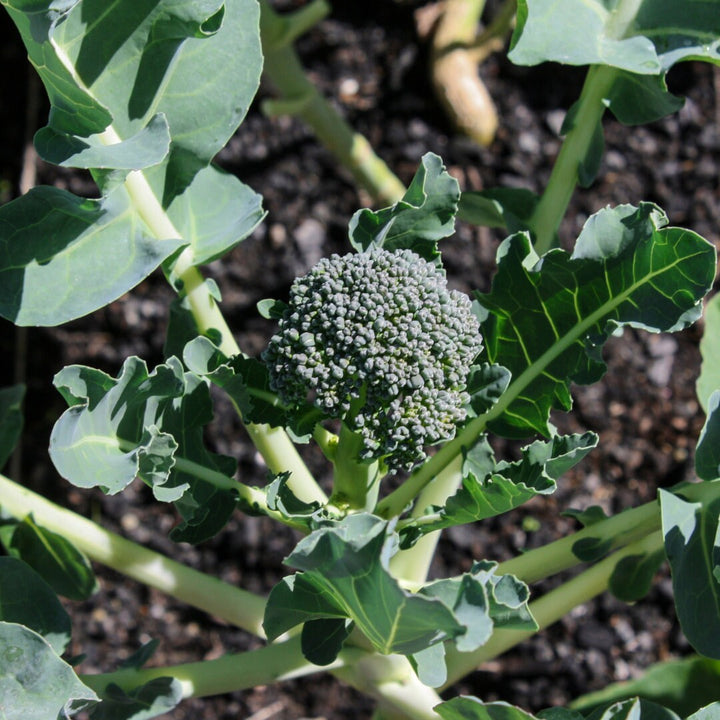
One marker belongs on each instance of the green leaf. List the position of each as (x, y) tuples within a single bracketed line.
[(711, 712), (146, 424), (247, 383), (707, 453), (636, 99), (156, 697), (157, 87), (498, 207), (692, 546), (632, 577), (322, 639), (589, 516), (662, 33), (546, 320), (34, 681), (682, 686), (26, 599), (11, 420), (345, 564), (425, 214), (54, 558), (62, 256), (490, 488), (485, 385), (148, 147), (471, 708), (709, 380)]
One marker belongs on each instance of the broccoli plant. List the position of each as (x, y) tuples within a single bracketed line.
[(400, 381)]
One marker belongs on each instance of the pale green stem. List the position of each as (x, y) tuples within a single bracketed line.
[(550, 608), (355, 483), (301, 98), (237, 671), (391, 680), (548, 214), (412, 565), (236, 606)]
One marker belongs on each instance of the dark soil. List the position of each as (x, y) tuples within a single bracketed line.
[(368, 60)]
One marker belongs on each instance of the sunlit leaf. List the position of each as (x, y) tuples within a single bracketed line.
[(425, 214), (34, 681)]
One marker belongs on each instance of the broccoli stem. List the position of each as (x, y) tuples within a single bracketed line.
[(355, 483)]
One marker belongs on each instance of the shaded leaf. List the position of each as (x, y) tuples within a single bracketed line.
[(498, 207), (54, 558), (707, 453), (682, 686), (425, 214), (322, 639), (709, 380), (485, 384), (34, 681), (692, 546), (547, 319), (26, 599), (156, 697), (11, 419), (632, 577)]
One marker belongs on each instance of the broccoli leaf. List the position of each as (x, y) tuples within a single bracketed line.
[(132, 101), (344, 576), (34, 681), (154, 698), (692, 545), (146, 424), (425, 215), (54, 557), (11, 419), (490, 488), (498, 207), (547, 319), (26, 599), (707, 453), (246, 382), (709, 380)]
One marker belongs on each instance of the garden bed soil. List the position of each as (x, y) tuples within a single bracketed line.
[(367, 59)]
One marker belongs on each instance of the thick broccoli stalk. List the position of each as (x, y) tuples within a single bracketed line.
[(377, 340)]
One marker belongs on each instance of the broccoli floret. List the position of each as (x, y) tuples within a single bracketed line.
[(377, 339)]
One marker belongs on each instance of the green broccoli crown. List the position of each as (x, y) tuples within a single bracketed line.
[(377, 339)]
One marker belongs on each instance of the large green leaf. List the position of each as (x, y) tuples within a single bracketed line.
[(682, 686), (26, 599), (471, 708), (11, 419), (35, 683), (547, 319), (425, 214), (709, 380), (146, 424), (62, 256), (692, 545), (344, 576), (586, 33), (154, 87), (57, 560), (707, 454), (490, 488)]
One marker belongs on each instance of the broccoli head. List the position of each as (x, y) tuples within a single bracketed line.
[(377, 340)]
